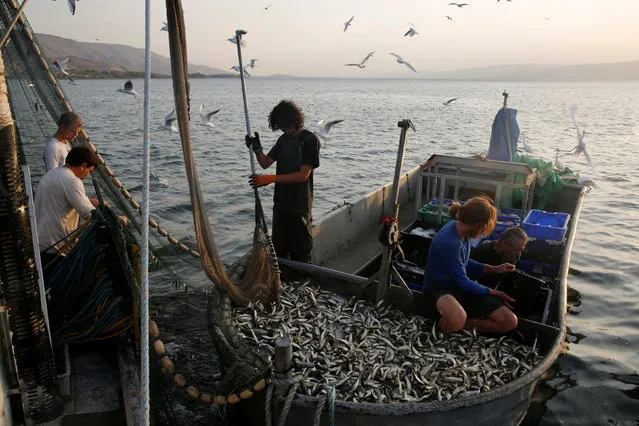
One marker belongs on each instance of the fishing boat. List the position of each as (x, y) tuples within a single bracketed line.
[(348, 259), (347, 251)]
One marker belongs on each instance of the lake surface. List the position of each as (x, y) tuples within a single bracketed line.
[(595, 381)]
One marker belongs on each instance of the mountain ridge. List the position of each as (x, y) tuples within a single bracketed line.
[(105, 58)]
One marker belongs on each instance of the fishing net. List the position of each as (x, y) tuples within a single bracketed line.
[(261, 279), (37, 100), (94, 290)]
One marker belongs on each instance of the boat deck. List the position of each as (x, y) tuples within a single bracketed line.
[(367, 245)]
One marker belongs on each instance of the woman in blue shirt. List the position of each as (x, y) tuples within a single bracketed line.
[(453, 298)]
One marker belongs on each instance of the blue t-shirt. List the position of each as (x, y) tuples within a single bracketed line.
[(449, 263)]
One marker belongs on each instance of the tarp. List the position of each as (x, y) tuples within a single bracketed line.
[(505, 134)]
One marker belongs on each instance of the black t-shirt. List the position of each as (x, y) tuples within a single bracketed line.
[(291, 153), (485, 253)]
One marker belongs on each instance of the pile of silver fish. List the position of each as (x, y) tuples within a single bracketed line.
[(375, 353)]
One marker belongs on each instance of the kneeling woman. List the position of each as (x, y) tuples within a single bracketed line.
[(456, 300)]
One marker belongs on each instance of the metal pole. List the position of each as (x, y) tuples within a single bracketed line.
[(385, 270), (146, 167), (5, 37), (238, 39)]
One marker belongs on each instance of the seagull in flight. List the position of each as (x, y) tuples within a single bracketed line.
[(363, 63), (165, 27), (237, 68), (266, 7), (458, 4), (206, 118), (252, 63), (128, 89), (527, 147), (411, 31), (61, 66), (72, 6), (558, 164), (449, 18), (168, 122), (157, 181), (401, 61), (449, 101), (324, 127), (348, 23), (581, 145), (233, 39)]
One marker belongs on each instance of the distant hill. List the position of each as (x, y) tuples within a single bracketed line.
[(99, 59), (531, 72)]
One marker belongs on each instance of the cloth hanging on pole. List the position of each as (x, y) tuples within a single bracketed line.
[(504, 135)]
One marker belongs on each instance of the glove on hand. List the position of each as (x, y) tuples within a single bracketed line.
[(261, 180), (253, 142)]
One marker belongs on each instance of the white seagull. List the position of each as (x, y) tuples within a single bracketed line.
[(168, 122), (348, 23), (72, 6), (411, 31), (449, 18), (558, 164), (458, 4), (401, 61), (252, 63), (157, 181), (324, 127), (237, 68), (206, 118), (581, 144), (362, 64), (233, 39), (165, 26), (61, 65), (128, 89), (527, 147)]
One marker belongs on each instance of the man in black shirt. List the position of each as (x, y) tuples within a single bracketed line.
[(297, 154), (507, 249)]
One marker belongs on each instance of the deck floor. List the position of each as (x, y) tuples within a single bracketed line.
[(367, 245)]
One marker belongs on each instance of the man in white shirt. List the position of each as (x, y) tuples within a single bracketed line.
[(55, 153), (61, 201)]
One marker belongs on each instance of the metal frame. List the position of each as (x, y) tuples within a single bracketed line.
[(436, 181)]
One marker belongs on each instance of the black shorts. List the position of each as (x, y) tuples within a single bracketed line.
[(475, 306)]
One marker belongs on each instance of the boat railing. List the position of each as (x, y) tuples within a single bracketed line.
[(441, 172)]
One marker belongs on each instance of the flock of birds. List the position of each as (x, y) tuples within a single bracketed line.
[(323, 127)]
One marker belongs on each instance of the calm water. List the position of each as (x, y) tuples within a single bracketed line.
[(596, 380)]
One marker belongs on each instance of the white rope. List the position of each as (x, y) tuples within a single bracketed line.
[(144, 296)]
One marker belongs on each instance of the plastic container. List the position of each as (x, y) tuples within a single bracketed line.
[(546, 225), (429, 218), (538, 268), (544, 251)]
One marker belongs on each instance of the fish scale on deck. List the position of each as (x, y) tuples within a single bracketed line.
[(378, 354)]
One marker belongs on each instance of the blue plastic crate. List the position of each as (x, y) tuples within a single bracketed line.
[(546, 225), (538, 268)]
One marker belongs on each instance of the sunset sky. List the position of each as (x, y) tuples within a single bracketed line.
[(306, 38)]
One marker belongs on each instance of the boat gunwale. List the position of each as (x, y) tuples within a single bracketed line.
[(534, 375)]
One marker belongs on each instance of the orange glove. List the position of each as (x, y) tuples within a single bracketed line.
[(261, 180)]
